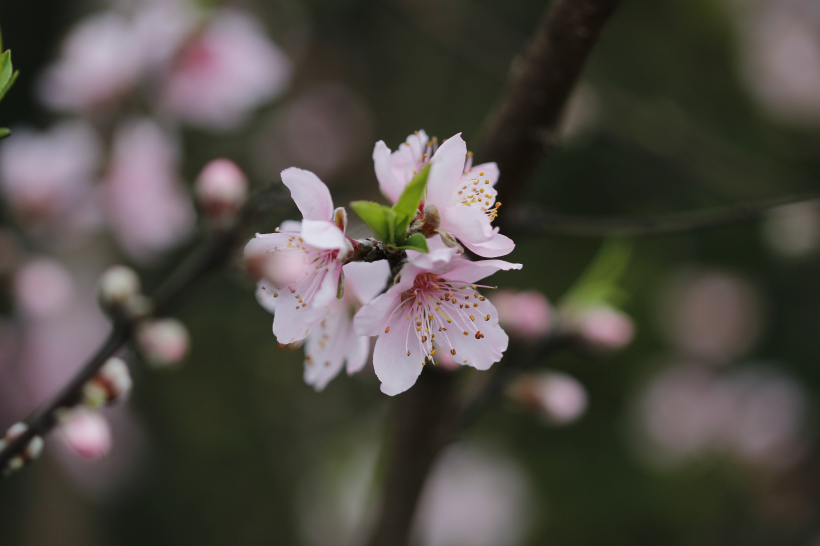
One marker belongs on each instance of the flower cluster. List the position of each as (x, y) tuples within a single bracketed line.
[(324, 287)]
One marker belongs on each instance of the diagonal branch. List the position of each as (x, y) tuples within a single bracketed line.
[(539, 86), (530, 221), (213, 256)]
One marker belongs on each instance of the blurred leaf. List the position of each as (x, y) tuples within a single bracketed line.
[(4, 133), (417, 241), (5, 68), (599, 283), (376, 218), (8, 85), (408, 204)]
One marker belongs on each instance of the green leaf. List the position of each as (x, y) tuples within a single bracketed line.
[(408, 204), (4, 133), (417, 241), (600, 283), (375, 216), (4, 90), (390, 218), (5, 68)]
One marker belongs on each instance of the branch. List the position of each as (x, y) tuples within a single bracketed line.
[(213, 256), (524, 128), (531, 221), (539, 86)]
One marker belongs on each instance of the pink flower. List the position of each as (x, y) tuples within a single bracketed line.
[(606, 328), (149, 210), (527, 315), (461, 199), (558, 397), (226, 71), (45, 175), (312, 253), (43, 288), (86, 433), (434, 295), (221, 188)]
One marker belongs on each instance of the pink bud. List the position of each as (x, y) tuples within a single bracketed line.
[(605, 328), (87, 433), (43, 288), (221, 188), (118, 286), (163, 342), (558, 397), (112, 383), (526, 315)]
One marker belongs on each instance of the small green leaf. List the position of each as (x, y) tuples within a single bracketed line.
[(408, 204), (4, 90), (5, 68), (375, 216), (417, 242), (4, 133), (390, 217)]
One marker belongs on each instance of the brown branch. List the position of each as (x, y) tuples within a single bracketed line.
[(524, 128), (539, 86), (531, 221), (213, 256)]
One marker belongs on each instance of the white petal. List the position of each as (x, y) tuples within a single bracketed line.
[(490, 171), (366, 280), (309, 193), (329, 287), (323, 234), (464, 270), (397, 370), (470, 225), (372, 318), (498, 245), (358, 349), (325, 348), (291, 324), (293, 226), (446, 169), (390, 186), (478, 353), (265, 295)]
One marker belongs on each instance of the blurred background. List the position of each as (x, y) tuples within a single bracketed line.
[(688, 417)]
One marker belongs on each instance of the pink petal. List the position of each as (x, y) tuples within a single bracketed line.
[(329, 287), (358, 349), (468, 272), (309, 193), (291, 324), (390, 186), (325, 348), (490, 171), (265, 295), (470, 225), (397, 370), (372, 318), (478, 353), (498, 245), (446, 168), (366, 280), (323, 234)]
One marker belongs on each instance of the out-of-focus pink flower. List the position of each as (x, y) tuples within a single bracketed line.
[(474, 497), (221, 188), (43, 288), (793, 230), (45, 175), (526, 315), (224, 72), (755, 415), (558, 397), (164, 342), (603, 327), (98, 62), (324, 130), (316, 247), (460, 200), (86, 433), (711, 315), (149, 210), (434, 296)]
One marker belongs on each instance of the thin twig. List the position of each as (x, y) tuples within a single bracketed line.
[(216, 253), (531, 221)]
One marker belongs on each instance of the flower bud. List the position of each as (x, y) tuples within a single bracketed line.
[(31, 452), (163, 342), (111, 384), (340, 218), (221, 188), (605, 328), (118, 288), (525, 315), (557, 397), (87, 433)]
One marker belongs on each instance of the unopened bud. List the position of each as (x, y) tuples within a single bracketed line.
[(559, 398), (340, 218), (221, 188), (163, 342), (13, 432), (604, 328), (525, 315), (31, 452), (87, 433), (119, 286), (111, 384)]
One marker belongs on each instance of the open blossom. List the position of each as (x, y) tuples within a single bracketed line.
[(311, 253), (224, 72), (334, 341), (461, 199), (433, 305)]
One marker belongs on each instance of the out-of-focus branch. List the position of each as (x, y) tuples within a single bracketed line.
[(215, 254), (529, 221), (524, 127), (540, 83)]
